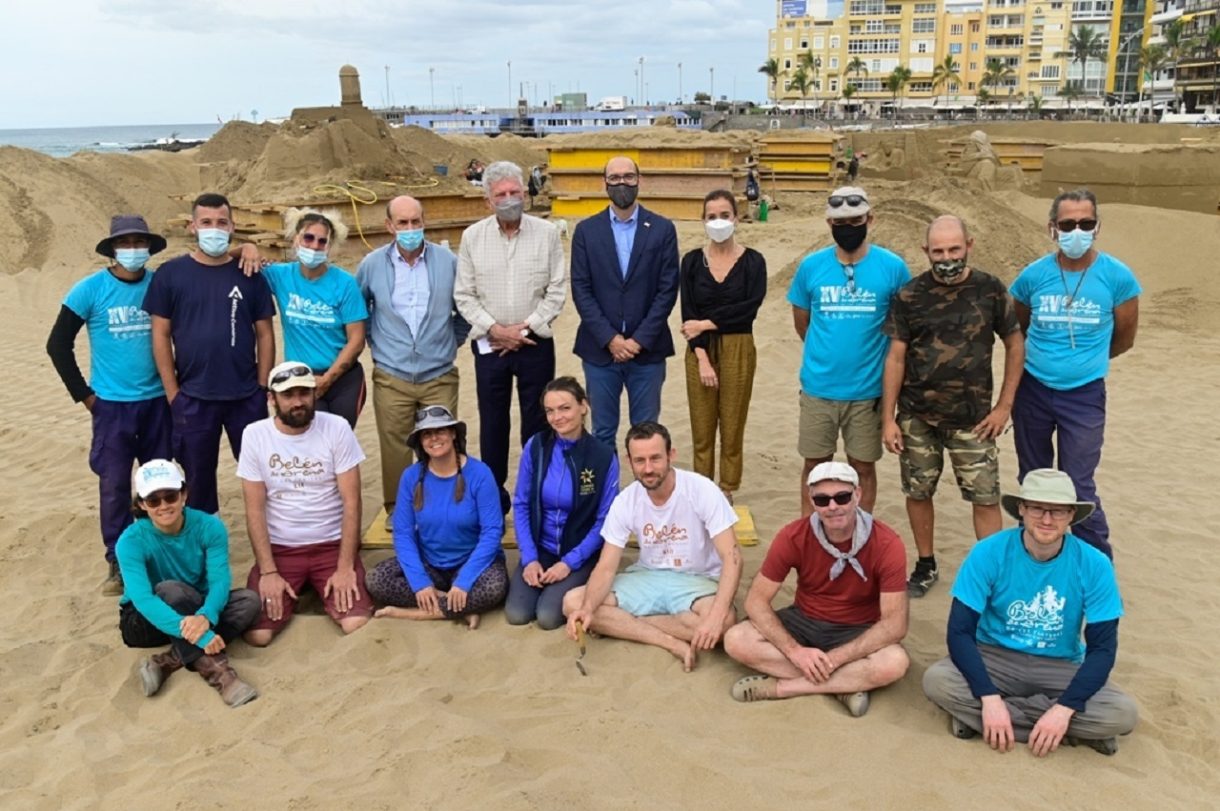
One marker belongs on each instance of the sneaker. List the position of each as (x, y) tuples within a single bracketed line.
[(961, 730), (921, 580), (112, 586), (754, 688), (856, 703), (1105, 746)]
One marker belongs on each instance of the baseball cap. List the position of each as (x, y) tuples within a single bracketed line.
[(846, 202), (834, 471), (289, 375), (158, 474)]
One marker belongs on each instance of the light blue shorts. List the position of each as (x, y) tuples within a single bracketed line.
[(643, 592)]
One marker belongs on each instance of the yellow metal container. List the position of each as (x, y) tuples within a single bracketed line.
[(717, 157), (675, 208), (796, 166), (581, 182)]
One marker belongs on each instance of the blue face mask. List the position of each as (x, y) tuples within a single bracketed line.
[(309, 257), (1075, 243), (213, 241), (410, 240), (131, 258)]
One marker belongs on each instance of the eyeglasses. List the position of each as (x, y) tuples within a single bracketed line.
[(310, 239), (433, 411), (155, 500), (1072, 225), (629, 178), (287, 374), (1058, 513), (852, 200), (840, 498)]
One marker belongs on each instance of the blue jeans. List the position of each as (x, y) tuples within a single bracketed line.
[(526, 603), (1077, 420), (605, 387)]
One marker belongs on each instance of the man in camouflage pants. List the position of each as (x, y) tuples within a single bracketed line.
[(942, 327)]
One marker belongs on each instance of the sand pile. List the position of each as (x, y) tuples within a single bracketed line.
[(525, 152), (236, 141), (1163, 175)]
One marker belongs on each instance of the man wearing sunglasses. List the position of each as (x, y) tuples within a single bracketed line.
[(840, 297), (1079, 308), (1017, 668), (842, 635)]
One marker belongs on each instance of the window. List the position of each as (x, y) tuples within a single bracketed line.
[(925, 8), (804, 44), (921, 47), (834, 63), (893, 9), (772, 46), (955, 48), (872, 46), (974, 47), (1050, 71), (860, 8), (969, 85), (834, 42), (923, 26), (834, 85), (952, 87), (875, 66), (922, 64), (955, 30), (919, 87), (974, 65), (787, 64), (974, 28), (819, 43), (787, 85)]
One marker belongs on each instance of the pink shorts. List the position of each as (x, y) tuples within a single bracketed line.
[(309, 565)]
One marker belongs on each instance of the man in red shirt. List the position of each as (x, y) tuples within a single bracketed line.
[(842, 635)]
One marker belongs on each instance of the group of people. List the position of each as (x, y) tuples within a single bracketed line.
[(182, 354)]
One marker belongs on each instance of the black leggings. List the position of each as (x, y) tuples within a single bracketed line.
[(345, 398), (238, 614), (387, 585)]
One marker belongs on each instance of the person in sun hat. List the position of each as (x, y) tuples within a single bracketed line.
[(1018, 669), (124, 395), (176, 580), (842, 635)]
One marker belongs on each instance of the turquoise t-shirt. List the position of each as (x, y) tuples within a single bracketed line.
[(121, 366), (845, 347), (314, 312), (1088, 322), (1033, 607)]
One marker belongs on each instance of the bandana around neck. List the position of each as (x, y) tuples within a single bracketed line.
[(864, 528)]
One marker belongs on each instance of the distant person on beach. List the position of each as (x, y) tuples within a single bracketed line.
[(474, 172), (124, 395), (1017, 668), (511, 286), (841, 637), (840, 297), (624, 285), (937, 388), (175, 563), (679, 594), (213, 344), (1079, 308), (448, 525), (300, 478), (414, 331), (723, 285), (565, 485)]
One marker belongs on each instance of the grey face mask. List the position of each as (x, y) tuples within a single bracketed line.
[(622, 195), (510, 210)]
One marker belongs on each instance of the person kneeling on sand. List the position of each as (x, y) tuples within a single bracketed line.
[(679, 595), (447, 531), (842, 635), (175, 566), (1017, 669)]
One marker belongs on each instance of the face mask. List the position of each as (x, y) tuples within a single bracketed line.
[(410, 240), (213, 241), (1075, 243), (719, 230), (622, 195), (849, 237), (309, 257), (949, 269), (131, 258), (510, 210)]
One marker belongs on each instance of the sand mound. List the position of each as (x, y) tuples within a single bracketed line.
[(525, 152), (237, 140)]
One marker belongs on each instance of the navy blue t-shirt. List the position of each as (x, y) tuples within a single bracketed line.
[(212, 310)]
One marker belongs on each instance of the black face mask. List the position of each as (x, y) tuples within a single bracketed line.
[(622, 195), (849, 237)]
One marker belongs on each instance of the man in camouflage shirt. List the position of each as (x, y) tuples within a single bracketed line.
[(942, 327)]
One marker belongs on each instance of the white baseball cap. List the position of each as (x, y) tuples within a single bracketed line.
[(158, 474), (834, 472)]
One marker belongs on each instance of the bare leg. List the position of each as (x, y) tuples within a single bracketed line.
[(806, 504), (396, 612), (352, 624), (260, 638), (987, 520), (922, 515), (868, 483), (472, 621), (610, 620)]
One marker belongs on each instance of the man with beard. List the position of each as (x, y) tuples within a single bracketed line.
[(679, 595), (942, 328), (840, 297), (300, 473)]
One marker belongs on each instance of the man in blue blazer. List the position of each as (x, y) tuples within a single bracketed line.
[(624, 284)]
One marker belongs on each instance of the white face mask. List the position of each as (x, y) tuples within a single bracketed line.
[(719, 230)]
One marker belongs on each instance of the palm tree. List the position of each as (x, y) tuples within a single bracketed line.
[(945, 73), (771, 69), (895, 82), (800, 82), (1072, 92), (983, 98), (812, 64), (1211, 42), (855, 67), (1152, 59), (1034, 104), (1084, 44)]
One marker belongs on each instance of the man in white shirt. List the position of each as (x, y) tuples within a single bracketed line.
[(300, 473), (679, 595)]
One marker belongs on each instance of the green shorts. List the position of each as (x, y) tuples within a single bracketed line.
[(976, 462), (859, 421)]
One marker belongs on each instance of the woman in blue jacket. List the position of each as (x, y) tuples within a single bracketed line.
[(447, 531), (565, 485)]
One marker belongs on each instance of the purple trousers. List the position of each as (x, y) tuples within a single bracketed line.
[(1076, 418), (197, 428), (124, 433)]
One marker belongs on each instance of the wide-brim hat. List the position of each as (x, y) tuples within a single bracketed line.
[(1047, 487), (431, 417), (123, 225)]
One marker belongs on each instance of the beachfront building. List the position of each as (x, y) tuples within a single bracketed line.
[(1198, 73), (1159, 86), (1090, 76), (1129, 31), (1026, 39), (962, 37), (814, 31)]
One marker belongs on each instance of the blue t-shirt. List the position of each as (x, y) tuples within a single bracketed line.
[(212, 310), (121, 366), (845, 348), (1033, 607), (314, 312), (1089, 321)]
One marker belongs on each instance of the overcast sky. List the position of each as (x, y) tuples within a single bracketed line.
[(78, 63)]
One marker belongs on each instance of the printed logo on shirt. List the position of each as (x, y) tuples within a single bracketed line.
[(234, 296), (586, 482), (839, 301), (1039, 622), (295, 470), (1056, 311), (306, 309), (127, 322)]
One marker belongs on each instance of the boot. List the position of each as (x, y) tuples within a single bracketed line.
[(156, 669), (217, 672), (112, 586)]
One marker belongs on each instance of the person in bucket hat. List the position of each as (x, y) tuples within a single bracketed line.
[(1018, 669), (124, 394)]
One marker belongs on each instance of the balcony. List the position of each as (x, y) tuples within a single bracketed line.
[(1164, 17)]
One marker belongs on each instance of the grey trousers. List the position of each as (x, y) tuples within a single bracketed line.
[(1029, 686)]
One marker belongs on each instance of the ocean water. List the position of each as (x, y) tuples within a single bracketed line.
[(63, 141)]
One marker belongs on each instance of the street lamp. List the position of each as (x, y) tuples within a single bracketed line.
[(432, 86), (711, 76), (1126, 44), (510, 85), (679, 83), (643, 87)]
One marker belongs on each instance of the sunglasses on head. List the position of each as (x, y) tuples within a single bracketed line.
[(840, 498), (310, 239), (853, 200), (1072, 225), (160, 497), (287, 374), (433, 411)]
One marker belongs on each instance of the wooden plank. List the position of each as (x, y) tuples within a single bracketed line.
[(715, 157)]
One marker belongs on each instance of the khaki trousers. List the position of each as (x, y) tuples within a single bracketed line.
[(395, 402), (725, 406)]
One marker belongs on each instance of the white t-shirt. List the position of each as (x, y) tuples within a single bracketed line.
[(678, 534), (303, 502)]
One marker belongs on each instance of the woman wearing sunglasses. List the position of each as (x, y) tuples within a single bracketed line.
[(447, 530), (175, 565), (723, 285)]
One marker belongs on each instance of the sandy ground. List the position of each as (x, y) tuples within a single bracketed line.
[(434, 716)]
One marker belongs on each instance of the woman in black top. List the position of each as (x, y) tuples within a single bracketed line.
[(723, 285)]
